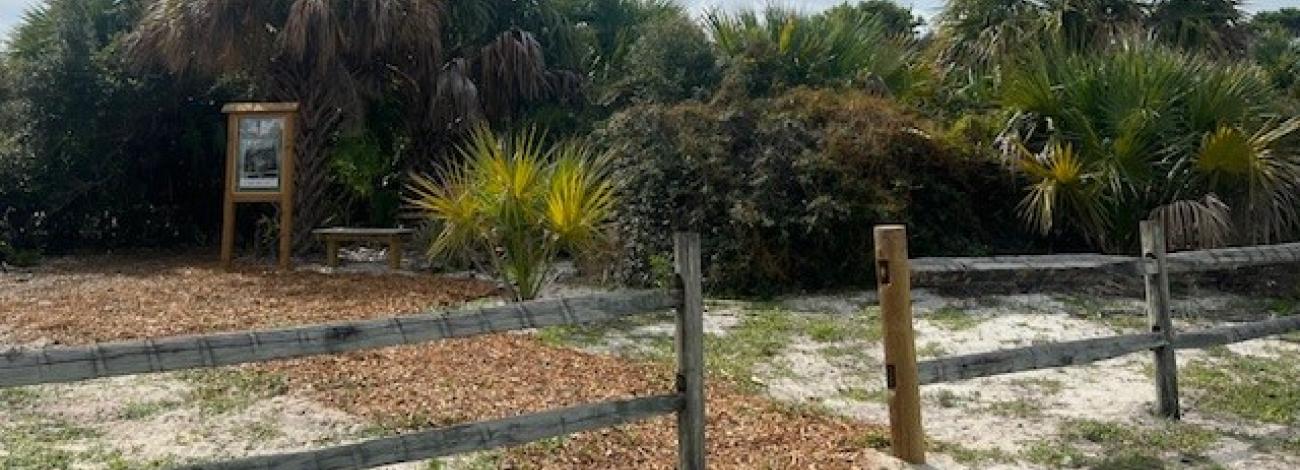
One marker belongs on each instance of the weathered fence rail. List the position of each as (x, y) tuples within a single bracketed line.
[(69, 364), (1183, 262), (463, 438), (1043, 356), (1155, 266), (54, 365)]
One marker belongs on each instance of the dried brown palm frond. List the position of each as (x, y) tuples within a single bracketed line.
[(455, 106), (565, 86), (1193, 224), (327, 55), (513, 72)]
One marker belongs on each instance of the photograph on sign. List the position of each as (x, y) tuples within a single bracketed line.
[(260, 147)]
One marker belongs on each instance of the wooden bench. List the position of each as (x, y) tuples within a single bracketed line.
[(336, 235)]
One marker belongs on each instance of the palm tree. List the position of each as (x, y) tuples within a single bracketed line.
[(1204, 26), (1112, 137), (980, 33), (837, 48), (451, 64), (327, 55)]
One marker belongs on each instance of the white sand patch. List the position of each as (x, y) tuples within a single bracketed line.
[(152, 418)]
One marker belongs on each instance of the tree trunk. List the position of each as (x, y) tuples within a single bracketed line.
[(320, 115)]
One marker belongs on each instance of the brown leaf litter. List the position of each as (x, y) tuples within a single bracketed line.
[(105, 298)]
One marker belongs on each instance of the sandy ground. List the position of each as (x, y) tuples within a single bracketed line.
[(1024, 420)]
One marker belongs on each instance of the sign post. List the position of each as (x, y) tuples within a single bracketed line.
[(259, 168)]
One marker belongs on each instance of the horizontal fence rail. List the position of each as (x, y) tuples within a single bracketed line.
[(1231, 258), (461, 438), (1072, 353), (1181, 262), (1231, 334), (1043, 356), (56, 365)]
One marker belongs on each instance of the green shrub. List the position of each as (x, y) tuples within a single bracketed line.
[(671, 61), (786, 190)]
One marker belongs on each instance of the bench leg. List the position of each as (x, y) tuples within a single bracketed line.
[(395, 253), (332, 253)]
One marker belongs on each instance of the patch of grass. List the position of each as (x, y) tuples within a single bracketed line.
[(878, 395), (17, 397), (489, 460), (970, 456), (761, 336), (1255, 388), (1055, 454), (262, 431), (828, 328), (1094, 310), (841, 350), (875, 438), (931, 350), (1042, 385), (222, 391), (1170, 437), (948, 399), (42, 443), (146, 409), (757, 339), (1283, 306), (1120, 446), (1018, 408), (1291, 445), (954, 319)]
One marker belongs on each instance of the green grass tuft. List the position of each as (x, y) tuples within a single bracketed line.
[(970, 456), (220, 391), (954, 319), (1261, 389)]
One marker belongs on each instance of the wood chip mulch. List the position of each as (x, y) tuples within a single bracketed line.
[(121, 297)]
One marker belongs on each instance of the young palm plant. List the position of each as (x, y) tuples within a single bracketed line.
[(512, 207)]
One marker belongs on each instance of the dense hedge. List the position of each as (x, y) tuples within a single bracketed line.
[(786, 190)]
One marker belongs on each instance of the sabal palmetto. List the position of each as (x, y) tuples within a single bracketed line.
[(336, 57), (327, 55), (1112, 137), (511, 206), (839, 47)]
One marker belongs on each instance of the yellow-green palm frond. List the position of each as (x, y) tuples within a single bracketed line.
[(581, 197), (1061, 190), (1236, 161), (451, 202), (1228, 151)]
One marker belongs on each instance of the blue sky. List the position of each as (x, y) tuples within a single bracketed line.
[(11, 11)]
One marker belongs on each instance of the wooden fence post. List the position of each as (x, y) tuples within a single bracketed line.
[(893, 279), (690, 353), (1155, 273)]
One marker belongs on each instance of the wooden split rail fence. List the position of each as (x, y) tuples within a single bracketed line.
[(904, 375), (70, 364)]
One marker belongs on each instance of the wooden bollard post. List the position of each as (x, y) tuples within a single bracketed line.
[(1155, 273), (893, 279), (690, 353)]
